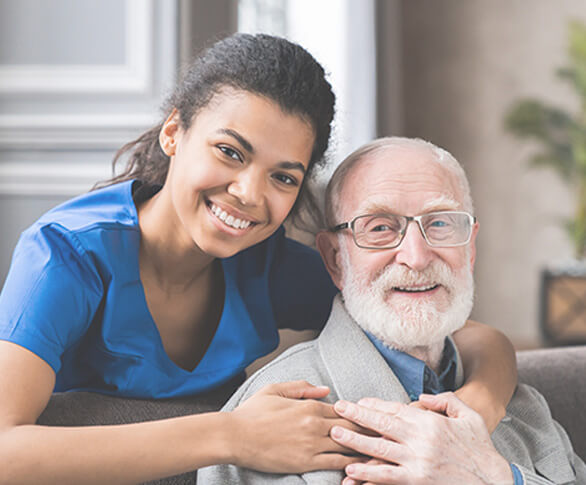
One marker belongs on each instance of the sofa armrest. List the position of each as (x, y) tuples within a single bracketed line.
[(560, 375), (87, 409)]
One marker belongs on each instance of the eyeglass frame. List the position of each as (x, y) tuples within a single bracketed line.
[(417, 219)]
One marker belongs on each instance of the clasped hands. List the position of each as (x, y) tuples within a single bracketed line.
[(416, 446), (284, 428)]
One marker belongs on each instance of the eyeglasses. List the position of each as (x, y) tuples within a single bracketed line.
[(385, 231)]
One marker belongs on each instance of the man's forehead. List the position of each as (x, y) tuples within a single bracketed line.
[(400, 181), (371, 205)]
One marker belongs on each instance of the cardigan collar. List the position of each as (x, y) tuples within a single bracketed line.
[(356, 367)]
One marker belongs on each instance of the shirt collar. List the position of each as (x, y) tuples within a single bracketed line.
[(414, 374)]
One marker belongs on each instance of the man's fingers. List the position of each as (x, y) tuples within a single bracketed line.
[(296, 390), (375, 473), (385, 424), (391, 407), (418, 405), (446, 403), (350, 481), (381, 448), (352, 427)]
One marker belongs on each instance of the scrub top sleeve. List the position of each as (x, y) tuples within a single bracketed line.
[(50, 294), (300, 287)]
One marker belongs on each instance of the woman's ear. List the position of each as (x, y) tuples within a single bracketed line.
[(168, 133), (329, 247)]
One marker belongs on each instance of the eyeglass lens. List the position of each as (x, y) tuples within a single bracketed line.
[(439, 228)]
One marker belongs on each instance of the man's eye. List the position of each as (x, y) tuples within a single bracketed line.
[(381, 228), (230, 152), (438, 224), (286, 179)]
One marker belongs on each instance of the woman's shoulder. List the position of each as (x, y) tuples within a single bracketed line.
[(111, 205), (101, 223)]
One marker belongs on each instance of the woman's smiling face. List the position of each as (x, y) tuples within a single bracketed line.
[(235, 174)]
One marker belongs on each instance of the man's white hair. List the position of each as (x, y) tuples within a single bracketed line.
[(441, 156)]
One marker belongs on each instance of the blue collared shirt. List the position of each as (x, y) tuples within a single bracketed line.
[(417, 377)]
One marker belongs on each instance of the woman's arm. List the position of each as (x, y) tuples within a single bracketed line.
[(490, 371), (272, 432)]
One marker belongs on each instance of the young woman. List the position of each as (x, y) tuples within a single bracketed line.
[(172, 279)]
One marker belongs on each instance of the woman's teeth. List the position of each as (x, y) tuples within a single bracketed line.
[(228, 219)]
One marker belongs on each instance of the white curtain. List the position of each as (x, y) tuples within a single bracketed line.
[(341, 35)]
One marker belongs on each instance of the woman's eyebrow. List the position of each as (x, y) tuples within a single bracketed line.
[(292, 166), (250, 149), (239, 138)]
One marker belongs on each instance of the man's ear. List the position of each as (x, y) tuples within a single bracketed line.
[(473, 244), (329, 247), (168, 133)]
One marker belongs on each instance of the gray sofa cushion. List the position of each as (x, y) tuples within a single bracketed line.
[(86, 409), (560, 375)]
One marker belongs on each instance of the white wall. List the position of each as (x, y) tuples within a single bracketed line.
[(78, 78)]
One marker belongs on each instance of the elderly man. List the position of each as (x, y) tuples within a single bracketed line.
[(401, 249)]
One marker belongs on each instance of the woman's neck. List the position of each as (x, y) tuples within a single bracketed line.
[(167, 253)]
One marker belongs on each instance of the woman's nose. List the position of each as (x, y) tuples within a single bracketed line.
[(248, 187)]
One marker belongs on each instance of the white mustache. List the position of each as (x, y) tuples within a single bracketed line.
[(394, 275)]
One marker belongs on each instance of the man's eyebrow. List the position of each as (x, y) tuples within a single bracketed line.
[(376, 207), (243, 141), (443, 202)]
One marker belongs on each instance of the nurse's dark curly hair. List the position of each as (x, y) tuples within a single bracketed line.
[(269, 66)]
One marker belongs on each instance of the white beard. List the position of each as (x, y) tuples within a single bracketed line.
[(414, 324)]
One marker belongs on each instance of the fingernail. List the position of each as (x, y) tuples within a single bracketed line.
[(337, 432), (350, 469), (341, 406)]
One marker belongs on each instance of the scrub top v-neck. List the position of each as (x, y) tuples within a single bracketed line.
[(73, 296)]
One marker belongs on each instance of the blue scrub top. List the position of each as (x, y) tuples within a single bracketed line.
[(73, 296)]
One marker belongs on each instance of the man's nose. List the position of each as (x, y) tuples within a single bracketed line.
[(248, 187), (414, 251)]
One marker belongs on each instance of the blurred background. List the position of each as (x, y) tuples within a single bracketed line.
[(79, 78)]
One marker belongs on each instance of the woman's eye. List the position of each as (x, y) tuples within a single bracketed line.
[(286, 179), (230, 152)]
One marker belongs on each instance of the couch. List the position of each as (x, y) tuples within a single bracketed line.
[(559, 373)]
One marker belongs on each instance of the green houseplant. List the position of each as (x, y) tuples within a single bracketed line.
[(561, 134), (562, 139)]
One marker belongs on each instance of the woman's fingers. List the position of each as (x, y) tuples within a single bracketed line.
[(446, 403), (334, 461), (295, 390)]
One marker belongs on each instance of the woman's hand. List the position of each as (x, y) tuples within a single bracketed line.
[(490, 370), (283, 429)]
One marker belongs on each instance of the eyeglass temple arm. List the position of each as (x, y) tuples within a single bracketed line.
[(339, 227)]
